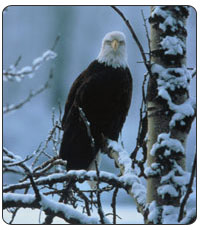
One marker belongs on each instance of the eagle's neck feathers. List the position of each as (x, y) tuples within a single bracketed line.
[(112, 59)]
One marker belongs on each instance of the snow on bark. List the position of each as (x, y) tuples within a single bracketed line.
[(170, 102), (172, 45)]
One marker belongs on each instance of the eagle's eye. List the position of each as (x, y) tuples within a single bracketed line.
[(121, 42)]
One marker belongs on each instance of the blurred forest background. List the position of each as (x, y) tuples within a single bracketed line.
[(31, 30)]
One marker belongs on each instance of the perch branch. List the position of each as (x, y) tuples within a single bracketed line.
[(124, 163)]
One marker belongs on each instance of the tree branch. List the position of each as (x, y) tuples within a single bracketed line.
[(50, 207), (13, 74), (76, 175), (124, 162), (113, 205), (189, 190), (10, 108), (135, 38)]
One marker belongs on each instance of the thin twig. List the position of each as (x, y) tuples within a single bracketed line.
[(32, 94), (20, 162), (98, 194), (147, 32), (56, 42), (85, 198), (141, 129), (113, 205), (189, 190), (87, 124), (14, 214), (135, 38), (18, 60)]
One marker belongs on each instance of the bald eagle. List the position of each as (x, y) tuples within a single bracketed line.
[(103, 92)]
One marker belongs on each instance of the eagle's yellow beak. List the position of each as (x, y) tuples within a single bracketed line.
[(115, 44)]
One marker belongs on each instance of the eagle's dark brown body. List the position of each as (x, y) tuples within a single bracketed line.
[(104, 94)]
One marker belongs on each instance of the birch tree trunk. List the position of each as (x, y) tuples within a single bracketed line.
[(170, 113)]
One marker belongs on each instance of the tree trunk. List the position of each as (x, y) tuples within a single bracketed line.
[(170, 110)]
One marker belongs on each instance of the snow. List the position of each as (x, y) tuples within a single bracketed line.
[(47, 55), (153, 212), (13, 74), (170, 144), (167, 189), (124, 158), (68, 212), (170, 214), (25, 70), (129, 176), (54, 176), (128, 213), (172, 45), (159, 12), (47, 204), (187, 109), (177, 175), (191, 214), (18, 197), (168, 21), (153, 170), (167, 80), (171, 79)]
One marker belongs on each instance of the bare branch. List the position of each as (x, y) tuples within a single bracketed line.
[(49, 138), (135, 38), (146, 30), (10, 108), (189, 190), (87, 124), (56, 42), (98, 194), (113, 205), (142, 129)]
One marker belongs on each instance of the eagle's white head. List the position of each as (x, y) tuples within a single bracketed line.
[(113, 50)]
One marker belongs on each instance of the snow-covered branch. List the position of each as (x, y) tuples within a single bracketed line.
[(77, 176), (122, 159), (129, 176), (54, 208), (13, 74)]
